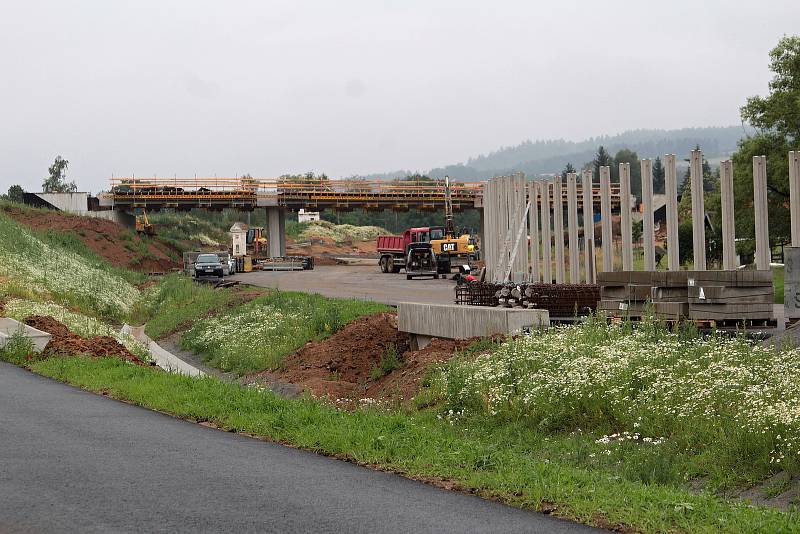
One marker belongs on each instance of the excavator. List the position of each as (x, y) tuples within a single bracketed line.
[(143, 225), (446, 242)]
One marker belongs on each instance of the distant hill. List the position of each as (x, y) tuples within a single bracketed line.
[(551, 156)]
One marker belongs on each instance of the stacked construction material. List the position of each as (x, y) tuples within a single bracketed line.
[(561, 300), (719, 296), (723, 296), (670, 295), (625, 292)]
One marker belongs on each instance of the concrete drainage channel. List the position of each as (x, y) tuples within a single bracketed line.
[(163, 358)]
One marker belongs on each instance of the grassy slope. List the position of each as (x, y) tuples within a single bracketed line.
[(249, 337), (57, 266), (503, 462), (176, 303)]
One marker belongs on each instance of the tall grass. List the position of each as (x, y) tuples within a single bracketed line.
[(260, 334), (682, 397), (176, 303)]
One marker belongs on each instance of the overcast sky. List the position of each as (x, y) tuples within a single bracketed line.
[(353, 87)]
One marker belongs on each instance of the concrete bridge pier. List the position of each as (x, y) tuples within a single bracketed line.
[(276, 226)]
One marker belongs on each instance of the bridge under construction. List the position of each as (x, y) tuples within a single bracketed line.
[(282, 194)]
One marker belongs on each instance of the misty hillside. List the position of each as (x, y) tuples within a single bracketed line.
[(546, 157)]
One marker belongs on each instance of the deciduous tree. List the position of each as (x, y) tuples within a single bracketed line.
[(56, 182)]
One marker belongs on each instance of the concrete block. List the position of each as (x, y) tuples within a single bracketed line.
[(671, 310), (452, 321), (9, 327), (669, 294)]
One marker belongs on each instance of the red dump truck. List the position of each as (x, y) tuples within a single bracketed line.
[(394, 250)]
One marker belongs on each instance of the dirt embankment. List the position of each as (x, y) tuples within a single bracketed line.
[(119, 246), (325, 250), (341, 366), (66, 343)]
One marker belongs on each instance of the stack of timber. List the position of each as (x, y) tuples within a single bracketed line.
[(724, 296)]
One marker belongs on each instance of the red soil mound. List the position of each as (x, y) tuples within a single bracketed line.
[(120, 247), (65, 343), (341, 366)]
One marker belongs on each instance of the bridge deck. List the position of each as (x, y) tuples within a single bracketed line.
[(246, 193)]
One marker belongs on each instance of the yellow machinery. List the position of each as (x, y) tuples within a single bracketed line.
[(143, 225), (444, 239)]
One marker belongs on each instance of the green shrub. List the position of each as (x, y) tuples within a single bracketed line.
[(390, 360), (18, 350)]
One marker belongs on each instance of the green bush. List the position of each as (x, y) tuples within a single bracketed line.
[(390, 360), (18, 350)]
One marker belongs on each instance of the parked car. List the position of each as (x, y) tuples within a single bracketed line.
[(228, 263), (208, 265)]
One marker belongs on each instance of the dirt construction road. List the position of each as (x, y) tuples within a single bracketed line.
[(359, 282)]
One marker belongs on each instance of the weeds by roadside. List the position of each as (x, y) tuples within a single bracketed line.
[(18, 350)]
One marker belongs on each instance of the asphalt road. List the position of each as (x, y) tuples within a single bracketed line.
[(355, 281), (72, 461)]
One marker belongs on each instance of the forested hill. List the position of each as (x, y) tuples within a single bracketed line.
[(545, 157)]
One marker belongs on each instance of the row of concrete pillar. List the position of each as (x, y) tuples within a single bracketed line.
[(510, 202)]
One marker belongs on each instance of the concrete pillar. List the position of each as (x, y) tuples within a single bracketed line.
[(558, 229), (533, 229), (588, 227), (487, 254), (794, 196), (276, 226), (791, 284), (547, 238), (482, 229), (763, 252), (490, 207), (648, 227), (520, 225), (671, 191), (625, 215), (572, 225), (505, 240), (605, 218), (282, 221), (698, 211), (728, 226)]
